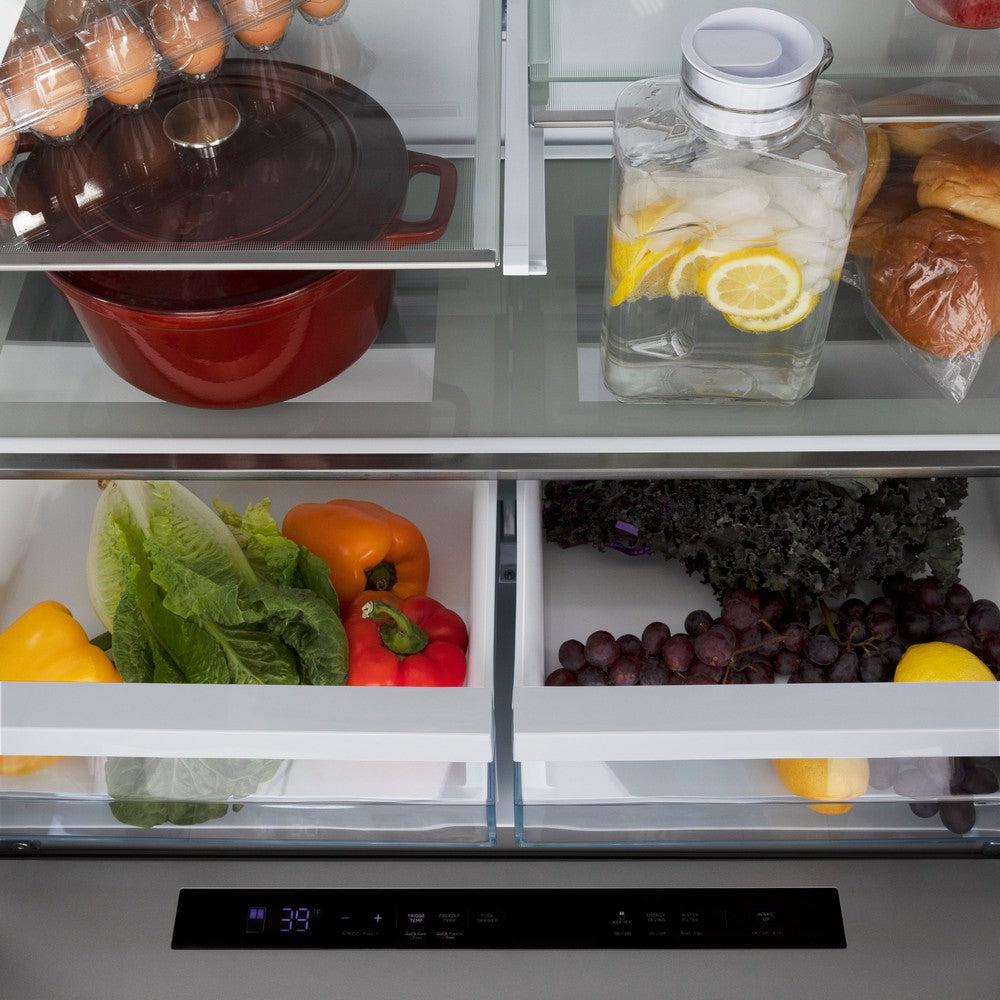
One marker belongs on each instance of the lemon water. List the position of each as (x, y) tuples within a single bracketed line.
[(662, 348), (732, 192)]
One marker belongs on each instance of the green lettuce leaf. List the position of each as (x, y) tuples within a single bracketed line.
[(314, 575), (148, 791), (255, 655), (274, 558), (210, 598), (132, 642), (306, 624)]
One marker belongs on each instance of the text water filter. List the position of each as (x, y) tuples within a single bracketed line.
[(732, 192)]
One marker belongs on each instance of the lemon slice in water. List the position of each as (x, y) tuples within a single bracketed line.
[(801, 308), (693, 260), (752, 283)]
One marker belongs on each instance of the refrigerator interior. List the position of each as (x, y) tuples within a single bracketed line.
[(504, 838)]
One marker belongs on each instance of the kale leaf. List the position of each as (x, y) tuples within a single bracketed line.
[(805, 538)]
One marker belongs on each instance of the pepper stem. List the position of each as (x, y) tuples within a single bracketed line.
[(399, 634), (381, 577)]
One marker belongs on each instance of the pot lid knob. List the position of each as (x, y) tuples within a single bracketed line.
[(201, 123)]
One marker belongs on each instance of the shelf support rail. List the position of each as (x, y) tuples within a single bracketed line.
[(524, 157)]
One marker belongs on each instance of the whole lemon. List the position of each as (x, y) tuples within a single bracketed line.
[(825, 778), (941, 661)]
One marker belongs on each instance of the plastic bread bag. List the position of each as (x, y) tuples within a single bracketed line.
[(933, 291), (888, 193), (925, 247)]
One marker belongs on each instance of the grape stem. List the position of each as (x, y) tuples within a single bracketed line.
[(828, 620)]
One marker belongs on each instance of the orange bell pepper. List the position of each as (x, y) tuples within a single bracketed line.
[(367, 547)]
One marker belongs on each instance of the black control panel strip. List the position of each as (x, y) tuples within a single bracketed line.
[(508, 918)]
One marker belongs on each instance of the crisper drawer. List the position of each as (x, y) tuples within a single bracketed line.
[(257, 762), (692, 764)]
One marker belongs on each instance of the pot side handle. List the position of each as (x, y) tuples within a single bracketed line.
[(404, 233)]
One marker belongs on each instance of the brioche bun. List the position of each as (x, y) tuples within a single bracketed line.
[(937, 284), (878, 167), (897, 200), (963, 177), (913, 139)]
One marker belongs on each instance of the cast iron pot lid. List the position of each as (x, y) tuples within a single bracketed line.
[(267, 153)]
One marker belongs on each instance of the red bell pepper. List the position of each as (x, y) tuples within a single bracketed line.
[(419, 644)]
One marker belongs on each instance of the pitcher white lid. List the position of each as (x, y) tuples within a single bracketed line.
[(752, 59)]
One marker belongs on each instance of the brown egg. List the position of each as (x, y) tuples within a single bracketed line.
[(119, 59), (64, 17), (322, 9), (190, 34), (264, 34), (41, 79), (8, 143)]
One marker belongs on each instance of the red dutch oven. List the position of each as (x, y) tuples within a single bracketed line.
[(267, 155)]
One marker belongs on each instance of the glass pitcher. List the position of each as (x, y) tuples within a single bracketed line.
[(732, 192)]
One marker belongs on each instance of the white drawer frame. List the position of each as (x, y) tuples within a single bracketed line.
[(291, 723), (721, 722)]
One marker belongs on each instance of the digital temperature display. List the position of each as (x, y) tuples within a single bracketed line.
[(508, 918), (296, 919), (290, 919)]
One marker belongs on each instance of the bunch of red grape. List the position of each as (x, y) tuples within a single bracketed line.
[(931, 781), (927, 612), (752, 640), (738, 647)]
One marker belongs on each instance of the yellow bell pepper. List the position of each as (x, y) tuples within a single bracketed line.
[(47, 644), (16, 766)]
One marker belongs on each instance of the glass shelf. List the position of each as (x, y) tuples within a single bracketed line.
[(582, 51), (111, 199), (477, 373)]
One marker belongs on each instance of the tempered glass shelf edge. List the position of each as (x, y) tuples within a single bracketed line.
[(460, 463), (186, 261), (602, 118)]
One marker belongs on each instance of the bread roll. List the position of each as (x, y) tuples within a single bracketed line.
[(963, 177), (913, 139), (878, 167), (897, 200), (936, 282)]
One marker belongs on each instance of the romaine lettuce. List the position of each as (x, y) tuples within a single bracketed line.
[(191, 595)]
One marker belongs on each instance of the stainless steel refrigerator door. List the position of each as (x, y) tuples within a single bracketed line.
[(83, 929)]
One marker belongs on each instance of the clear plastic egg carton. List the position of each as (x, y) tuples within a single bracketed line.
[(63, 55)]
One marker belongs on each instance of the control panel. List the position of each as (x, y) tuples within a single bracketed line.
[(508, 918)]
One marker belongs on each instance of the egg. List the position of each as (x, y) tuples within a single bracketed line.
[(64, 17), (119, 59), (322, 9), (190, 34), (41, 79), (264, 34), (8, 143)]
